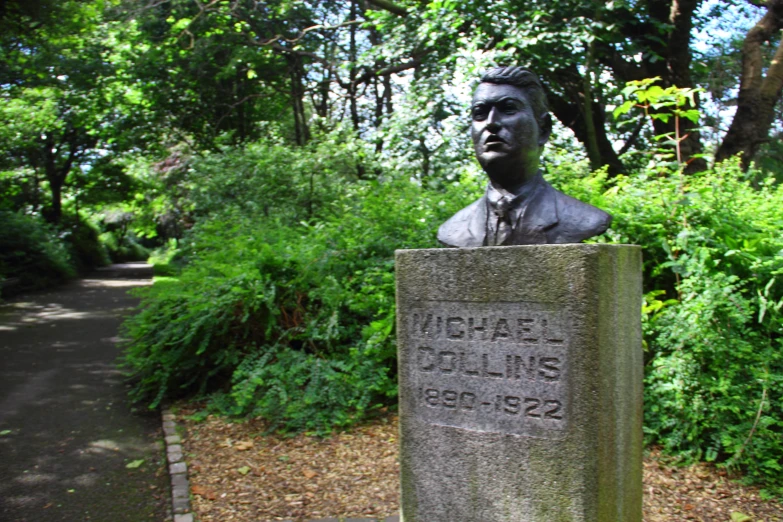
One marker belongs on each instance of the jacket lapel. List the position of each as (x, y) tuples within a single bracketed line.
[(540, 215), (477, 224)]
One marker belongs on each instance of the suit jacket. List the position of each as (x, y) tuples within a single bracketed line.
[(550, 217)]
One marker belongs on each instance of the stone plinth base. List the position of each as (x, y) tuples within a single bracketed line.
[(520, 383)]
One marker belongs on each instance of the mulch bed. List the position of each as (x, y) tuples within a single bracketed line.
[(239, 474)]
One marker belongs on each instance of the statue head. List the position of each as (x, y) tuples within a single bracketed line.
[(510, 125)]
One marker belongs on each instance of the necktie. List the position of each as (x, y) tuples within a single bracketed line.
[(503, 228)]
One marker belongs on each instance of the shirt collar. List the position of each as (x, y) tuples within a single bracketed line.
[(501, 202)]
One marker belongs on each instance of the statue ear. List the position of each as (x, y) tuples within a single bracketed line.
[(544, 129)]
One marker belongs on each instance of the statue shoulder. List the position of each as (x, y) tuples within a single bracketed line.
[(466, 228), (579, 220)]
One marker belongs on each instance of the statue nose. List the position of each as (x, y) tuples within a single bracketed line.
[(493, 120)]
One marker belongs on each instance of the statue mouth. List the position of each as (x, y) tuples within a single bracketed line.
[(493, 139)]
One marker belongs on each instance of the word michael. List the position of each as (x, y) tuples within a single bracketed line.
[(523, 330)]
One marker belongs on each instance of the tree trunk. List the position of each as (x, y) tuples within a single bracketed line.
[(56, 178), (387, 93), (296, 72), (36, 190), (56, 211), (675, 69), (352, 56), (568, 107), (239, 93), (758, 94), (591, 138), (378, 114)]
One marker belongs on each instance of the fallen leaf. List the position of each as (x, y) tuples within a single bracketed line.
[(134, 464), (358, 476), (688, 507), (243, 445), (244, 470), (203, 492), (736, 516), (308, 473)]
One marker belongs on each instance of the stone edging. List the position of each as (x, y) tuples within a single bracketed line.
[(178, 469), (180, 486)]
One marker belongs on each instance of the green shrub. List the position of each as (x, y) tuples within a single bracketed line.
[(130, 250), (84, 245), (31, 252), (294, 323), (713, 258), (271, 179), (167, 259), (122, 248)]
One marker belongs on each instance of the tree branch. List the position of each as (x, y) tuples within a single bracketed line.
[(390, 6), (308, 29), (633, 137), (392, 69), (623, 69)]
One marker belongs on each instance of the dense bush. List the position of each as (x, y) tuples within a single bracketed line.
[(83, 241), (34, 254), (272, 179), (122, 248), (713, 254), (31, 252), (291, 321)]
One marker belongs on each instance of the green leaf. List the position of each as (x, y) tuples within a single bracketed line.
[(661, 116), (623, 109), (692, 115), (244, 470), (736, 516), (134, 464), (655, 93), (181, 24), (4, 433)]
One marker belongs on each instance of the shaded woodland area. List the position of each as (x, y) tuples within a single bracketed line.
[(270, 156)]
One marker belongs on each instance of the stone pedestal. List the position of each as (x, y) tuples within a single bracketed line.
[(520, 383)]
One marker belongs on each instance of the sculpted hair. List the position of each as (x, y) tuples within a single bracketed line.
[(525, 80)]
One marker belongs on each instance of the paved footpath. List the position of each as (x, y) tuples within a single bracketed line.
[(67, 431)]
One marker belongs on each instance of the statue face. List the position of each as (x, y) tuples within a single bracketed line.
[(505, 133)]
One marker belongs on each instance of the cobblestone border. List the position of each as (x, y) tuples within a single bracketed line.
[(180, 486), (178, 469), (394, 518)]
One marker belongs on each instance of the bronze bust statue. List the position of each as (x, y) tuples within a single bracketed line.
[(510, 126)]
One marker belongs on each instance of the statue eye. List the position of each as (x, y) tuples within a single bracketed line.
[(510, 108), (479, 112)]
